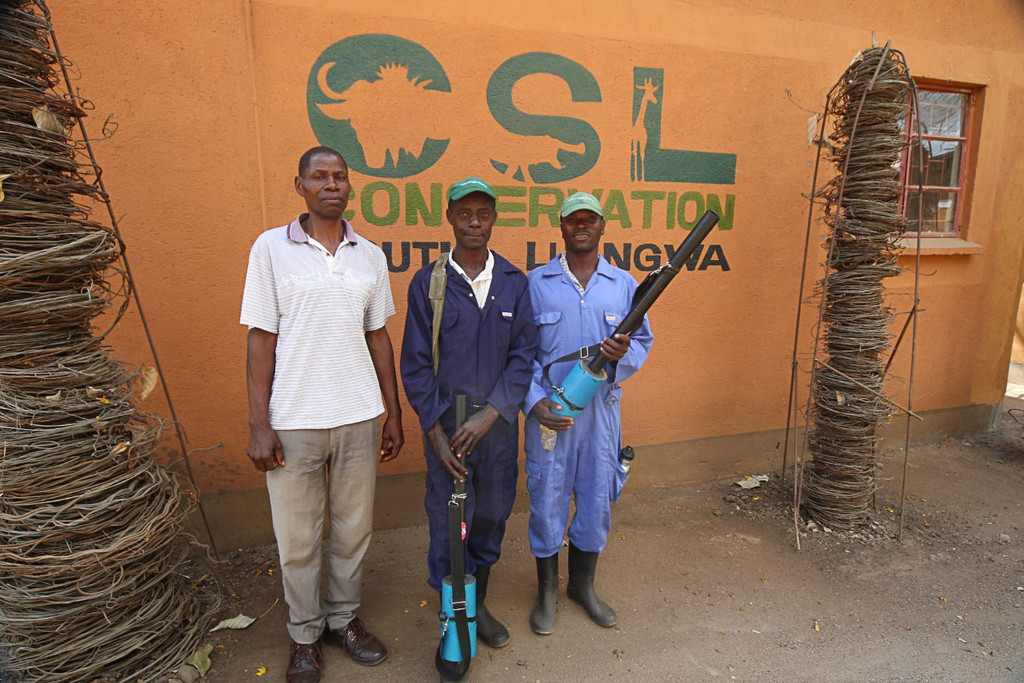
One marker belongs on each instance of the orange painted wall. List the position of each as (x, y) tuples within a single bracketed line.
[(212, 114)]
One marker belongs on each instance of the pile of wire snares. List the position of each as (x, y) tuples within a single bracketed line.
[(92, 532), (862, 208)]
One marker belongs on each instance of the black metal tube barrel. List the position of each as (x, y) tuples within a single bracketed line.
[(635, 317), (461, 402)]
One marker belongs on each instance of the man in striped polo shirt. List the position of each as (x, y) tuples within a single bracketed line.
[(319, 358)]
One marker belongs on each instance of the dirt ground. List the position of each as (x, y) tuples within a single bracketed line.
[(709, 584)]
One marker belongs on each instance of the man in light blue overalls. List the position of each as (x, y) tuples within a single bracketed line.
[(578, 299)]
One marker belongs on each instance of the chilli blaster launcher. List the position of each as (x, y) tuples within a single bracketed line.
[(586, 377)]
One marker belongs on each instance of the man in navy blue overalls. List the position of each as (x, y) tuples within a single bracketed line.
[(486, 346)]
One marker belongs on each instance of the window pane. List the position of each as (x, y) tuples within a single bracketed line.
[(941, 162), (939, 212), (942, 113)]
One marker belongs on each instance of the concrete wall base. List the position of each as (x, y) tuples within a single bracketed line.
[(242, 518)]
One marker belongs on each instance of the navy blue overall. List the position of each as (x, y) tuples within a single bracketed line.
[(486, 354)]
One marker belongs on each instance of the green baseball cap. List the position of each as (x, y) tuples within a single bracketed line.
[(581, 200), (468, 186)]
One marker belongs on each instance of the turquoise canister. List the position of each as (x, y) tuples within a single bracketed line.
[(579, 387), (450, 650)]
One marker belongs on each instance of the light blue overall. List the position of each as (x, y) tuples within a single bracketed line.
[(584, 463)]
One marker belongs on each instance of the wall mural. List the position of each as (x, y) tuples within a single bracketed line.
[(359, 85)]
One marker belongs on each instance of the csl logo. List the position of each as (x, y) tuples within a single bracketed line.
[(360, 86)]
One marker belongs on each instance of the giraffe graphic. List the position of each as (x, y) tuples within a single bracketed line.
[(639, 142)]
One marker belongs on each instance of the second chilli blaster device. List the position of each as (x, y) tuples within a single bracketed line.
[(586, 377)]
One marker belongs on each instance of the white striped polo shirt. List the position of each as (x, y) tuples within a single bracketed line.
[(319, 305)]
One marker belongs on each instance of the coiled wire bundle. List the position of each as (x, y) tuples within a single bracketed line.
[(862, 208), (92, 531)]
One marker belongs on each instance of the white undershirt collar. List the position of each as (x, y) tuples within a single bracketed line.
[(482, 284)]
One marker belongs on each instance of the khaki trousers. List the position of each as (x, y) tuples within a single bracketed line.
[(334, 469)]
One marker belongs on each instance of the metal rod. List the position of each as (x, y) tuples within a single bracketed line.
[(899, 340), (917, 303), (790, 409), (872, 391)]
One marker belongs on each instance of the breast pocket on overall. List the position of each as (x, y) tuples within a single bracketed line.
[(503, 328), (547, 328), (612, 319), (450, 344)]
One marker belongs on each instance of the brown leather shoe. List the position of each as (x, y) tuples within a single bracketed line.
[(363, 647), (306, 662)]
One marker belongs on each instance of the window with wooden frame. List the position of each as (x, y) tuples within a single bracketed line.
[(934, 196)]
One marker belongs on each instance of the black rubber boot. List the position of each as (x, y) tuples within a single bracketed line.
[(542, 618), (488, 629), (582, 566)]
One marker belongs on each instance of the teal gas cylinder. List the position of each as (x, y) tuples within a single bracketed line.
[(450, 650), (578, 388)]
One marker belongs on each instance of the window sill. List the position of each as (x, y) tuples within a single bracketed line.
[(939, 246)]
